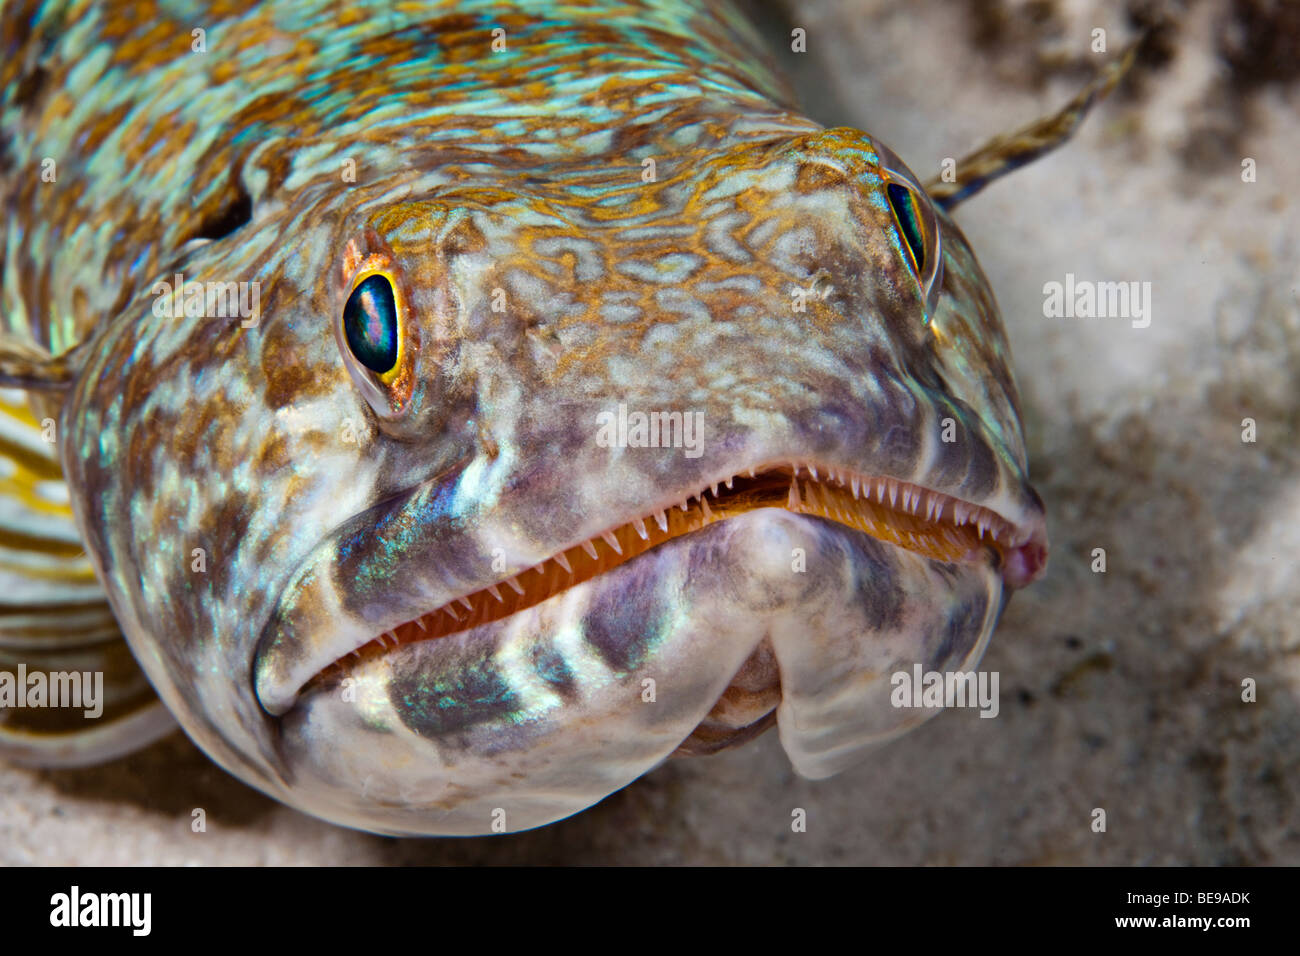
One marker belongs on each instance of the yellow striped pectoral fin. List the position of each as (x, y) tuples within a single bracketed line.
[(70, 692)]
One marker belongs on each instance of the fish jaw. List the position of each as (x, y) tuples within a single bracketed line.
[(387, 723), (532, 718)]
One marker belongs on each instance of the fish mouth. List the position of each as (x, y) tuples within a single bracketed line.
[(902, 513)]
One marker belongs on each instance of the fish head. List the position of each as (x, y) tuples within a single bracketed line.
[(516, 485)]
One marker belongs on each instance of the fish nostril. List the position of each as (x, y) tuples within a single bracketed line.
[(234, 211)]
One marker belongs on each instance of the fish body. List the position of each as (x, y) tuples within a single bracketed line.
[(465, 405)]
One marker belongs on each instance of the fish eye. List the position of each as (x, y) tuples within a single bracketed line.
[(908, 216), (370, 325), (917, 224)]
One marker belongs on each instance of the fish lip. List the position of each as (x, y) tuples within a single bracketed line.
[(1023, 560), (264, 648)]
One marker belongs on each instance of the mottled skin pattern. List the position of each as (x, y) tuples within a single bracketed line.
[(546, 278)]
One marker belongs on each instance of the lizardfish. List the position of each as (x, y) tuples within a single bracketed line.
[(460, 407)]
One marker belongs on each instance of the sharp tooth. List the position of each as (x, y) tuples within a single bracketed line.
[(465, 601), (812, 470), (907, 499), (730, 480), (640, 529), (419, 621), (496, 593), (708, 512), (661, 519), (513, 583), (893, 492), (792, 502), (880, 490), (979, 523), (685, 505), (856, 486), (713, 488), (591, 550), (452, 611), (611, 540), (751, 473), (929, 508), (959, 512), (563, 562)]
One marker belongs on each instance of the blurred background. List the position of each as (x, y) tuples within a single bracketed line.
[(1119, 690)]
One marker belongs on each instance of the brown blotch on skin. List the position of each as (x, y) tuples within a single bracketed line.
[(105, 125), (465, 237), (139, 457), (226, 528), (30, 89), (273, 455), (289, 379), (266, 550), (217, 341), (815, 177), (165, 42), (203, 432), (490, 447)]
